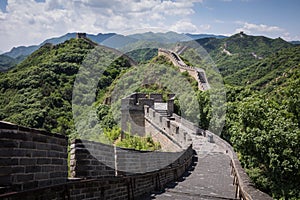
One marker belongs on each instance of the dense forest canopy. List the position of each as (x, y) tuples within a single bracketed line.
[(262, 84)]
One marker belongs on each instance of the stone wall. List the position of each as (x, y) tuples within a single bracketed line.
[(172, 133), (91, 159), (95, 160), (31, 158), (33, 165), (132, 110), (113, 188)]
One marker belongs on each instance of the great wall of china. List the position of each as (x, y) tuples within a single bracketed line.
[(192, 164), (197, 73), (34, 163)]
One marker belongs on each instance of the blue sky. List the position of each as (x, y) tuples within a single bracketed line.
[(28, 22)]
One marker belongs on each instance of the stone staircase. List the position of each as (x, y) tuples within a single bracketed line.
[(163, 113)]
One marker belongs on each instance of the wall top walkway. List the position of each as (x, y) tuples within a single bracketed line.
[(197, 73)]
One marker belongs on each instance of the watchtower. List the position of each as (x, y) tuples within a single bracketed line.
[(80, 35), (133, 111)]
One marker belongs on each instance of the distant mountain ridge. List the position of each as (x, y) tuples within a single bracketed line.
[(24, 51), (295, 42), (113, 40), (229, 53)]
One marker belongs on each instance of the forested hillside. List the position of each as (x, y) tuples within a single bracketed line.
[(263, 121), (240, 50), (262, 88), (37, 93)]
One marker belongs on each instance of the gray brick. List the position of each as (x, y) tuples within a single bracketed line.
[(38, 153), (39, 138), (58, 148), (32, 169), (8, 161), (8, 143), (43, 146), (44, 161), (53, 154), (23, 177), (57, 161), (28, 161), (5, 170), (27, 144), (18, 169), (30, 185), (44, 183), (42, 175), (5, 180), (47, 168)]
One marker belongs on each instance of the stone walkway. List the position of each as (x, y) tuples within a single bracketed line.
[(209, 178)]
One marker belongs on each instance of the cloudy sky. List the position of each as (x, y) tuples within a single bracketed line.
[(28, 22)]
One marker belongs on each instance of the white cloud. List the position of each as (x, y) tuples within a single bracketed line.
[(28, 22), (258, 28), (186, 26)]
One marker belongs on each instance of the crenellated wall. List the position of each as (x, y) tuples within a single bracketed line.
[(91, 159), (174, 133)]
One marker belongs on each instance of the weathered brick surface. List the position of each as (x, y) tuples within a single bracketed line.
[(31, 158), (91, 159), (112, 188)]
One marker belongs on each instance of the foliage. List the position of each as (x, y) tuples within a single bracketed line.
[(38, 92), (269, 146), (262, 72), (112, 133), (143, 55), (262, 123), (138, 143)]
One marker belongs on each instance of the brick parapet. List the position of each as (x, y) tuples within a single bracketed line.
[(31, 158)]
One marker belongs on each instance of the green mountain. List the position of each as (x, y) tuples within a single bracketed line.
[(268, 71), (262, 109), (109, 39), (6, 62), (25, 51), (38, 92), (171, 37), (240, 50), (262, 91)]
